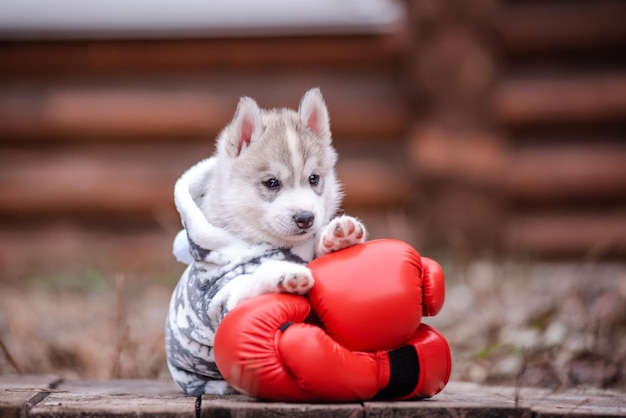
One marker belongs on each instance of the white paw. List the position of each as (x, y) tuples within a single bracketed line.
[(295, 278), (342, 232)]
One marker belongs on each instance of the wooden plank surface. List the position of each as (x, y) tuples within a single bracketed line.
[(19, 393), (115, 398), (143, 398)]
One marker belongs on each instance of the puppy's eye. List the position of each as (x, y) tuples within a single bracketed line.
[(314, 179), (272, 183)]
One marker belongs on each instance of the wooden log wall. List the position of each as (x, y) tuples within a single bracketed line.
[(561, 99), (519, 135), (95, 133), (491, 126)]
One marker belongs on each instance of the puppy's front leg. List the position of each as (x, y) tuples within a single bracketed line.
[(273, 276), (283, 276)]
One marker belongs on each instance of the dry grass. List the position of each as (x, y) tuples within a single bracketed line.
[(112, 331), (542, 324), (548, 325)]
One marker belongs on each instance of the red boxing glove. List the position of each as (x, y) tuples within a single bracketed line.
[(263, 348), (251, 341), (373, 295)]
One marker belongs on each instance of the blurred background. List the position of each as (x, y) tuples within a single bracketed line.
[(489, 134)]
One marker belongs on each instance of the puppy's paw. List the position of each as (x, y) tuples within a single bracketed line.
[(342, 232), (295, 279)]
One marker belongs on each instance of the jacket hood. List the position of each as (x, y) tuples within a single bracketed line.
[(199, 240)]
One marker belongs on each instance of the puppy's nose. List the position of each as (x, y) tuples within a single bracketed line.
[(304, 219)]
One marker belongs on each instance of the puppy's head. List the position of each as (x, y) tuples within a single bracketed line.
[(279, 165)]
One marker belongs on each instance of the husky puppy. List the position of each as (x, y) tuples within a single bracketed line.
[(254, 215)]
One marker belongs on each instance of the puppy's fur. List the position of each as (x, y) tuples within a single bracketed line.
[(271, 188)]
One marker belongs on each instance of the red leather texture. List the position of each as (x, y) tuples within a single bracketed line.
[(369, 296)]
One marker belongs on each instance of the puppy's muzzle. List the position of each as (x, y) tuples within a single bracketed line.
[(304, 219)]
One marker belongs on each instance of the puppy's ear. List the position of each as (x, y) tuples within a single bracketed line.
[(245, 127), (314, 113)]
